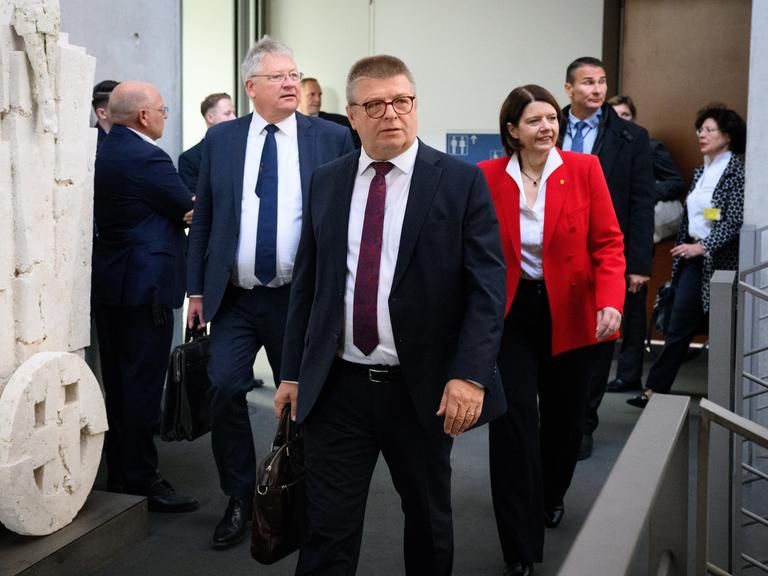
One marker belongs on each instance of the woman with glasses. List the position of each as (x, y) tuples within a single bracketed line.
[(564, 253), (708, 239)]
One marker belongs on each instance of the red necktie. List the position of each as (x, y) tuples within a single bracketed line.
[(365, 333)]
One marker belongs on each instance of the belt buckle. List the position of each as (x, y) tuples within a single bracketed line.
[(378, 376)]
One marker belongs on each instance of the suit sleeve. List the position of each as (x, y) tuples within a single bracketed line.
[(200, 231), (669, 182), (484, 287), (641, 203), (169, 195), (605, 242), (302, 296)]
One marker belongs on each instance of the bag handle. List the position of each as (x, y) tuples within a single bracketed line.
[(287, 429), (195, 332)]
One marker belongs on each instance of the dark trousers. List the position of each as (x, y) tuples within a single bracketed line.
[(353, 420), (245, 321), (632, 346), (684, 323), (534, 446), (134, 344)]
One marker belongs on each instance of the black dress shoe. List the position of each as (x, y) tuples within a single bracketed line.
[(585, 450), (517, 569), (619, 385), (554, 515), (161, 497), (232, 527), (640, 401)]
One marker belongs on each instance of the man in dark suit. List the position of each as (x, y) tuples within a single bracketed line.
[(394, 326), (590, 125), (215, 108), (100, 104), (140, 209), (254, 179), (311, 100)]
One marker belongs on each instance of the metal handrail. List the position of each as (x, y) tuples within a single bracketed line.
[(710, 412), (645, 496)]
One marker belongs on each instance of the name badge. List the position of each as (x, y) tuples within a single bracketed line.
[(712, 213)]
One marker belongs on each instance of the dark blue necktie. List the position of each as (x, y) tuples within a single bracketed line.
[(266, 190), (577, 144)]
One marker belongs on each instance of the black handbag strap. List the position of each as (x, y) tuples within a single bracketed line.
[(195, 332), (287, 429)]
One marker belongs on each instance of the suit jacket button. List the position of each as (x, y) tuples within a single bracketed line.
[(572, 229)]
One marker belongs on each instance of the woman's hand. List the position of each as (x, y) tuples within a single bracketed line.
[(608, 322), (688, 250)]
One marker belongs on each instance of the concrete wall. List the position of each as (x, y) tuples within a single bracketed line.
[(466, 57), (136, 40), (755, 205)]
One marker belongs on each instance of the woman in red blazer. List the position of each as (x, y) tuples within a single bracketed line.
[(565, 292)]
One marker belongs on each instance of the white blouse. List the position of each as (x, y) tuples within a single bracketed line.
[(532, 219), (699, 201)]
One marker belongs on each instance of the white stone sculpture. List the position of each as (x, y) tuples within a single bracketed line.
[(46, 212)]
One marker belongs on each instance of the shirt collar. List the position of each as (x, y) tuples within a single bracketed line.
[(721, 159), (405, 161), (142, 136), (287, 125), (553, 163), (591, 121)]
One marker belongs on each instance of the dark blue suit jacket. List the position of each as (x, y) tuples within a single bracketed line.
[(189, 165), (139, 205), (213, 238), (447, 299)]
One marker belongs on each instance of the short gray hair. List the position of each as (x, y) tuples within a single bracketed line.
[(265, 46), (380, 67)]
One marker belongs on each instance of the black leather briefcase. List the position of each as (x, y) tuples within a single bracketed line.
[(187, 389), (278, 507)]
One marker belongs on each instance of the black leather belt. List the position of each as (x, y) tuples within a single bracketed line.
[(535, 285), (377, 373)]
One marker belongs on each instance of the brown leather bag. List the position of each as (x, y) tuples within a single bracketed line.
[(278, 506)]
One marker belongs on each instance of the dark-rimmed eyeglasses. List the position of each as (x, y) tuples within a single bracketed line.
[(376, 109), (280, 76)]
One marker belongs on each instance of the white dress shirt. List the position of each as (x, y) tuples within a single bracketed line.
[(589, 132), (142, 136), (532, 219), (289, 202), (398, 186), (700, 197)]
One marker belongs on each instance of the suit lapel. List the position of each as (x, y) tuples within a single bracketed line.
[(237, 145), (306, 141), (426, 176), (343, 185), (558, 185)]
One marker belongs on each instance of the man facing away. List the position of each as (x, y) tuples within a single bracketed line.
[(140, 209), (311, 100), (215, 108), (591, 126), (394, 326), (253, 182)]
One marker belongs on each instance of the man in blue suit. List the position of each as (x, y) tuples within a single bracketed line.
[(253, 183), (394, 325), (140, 209)]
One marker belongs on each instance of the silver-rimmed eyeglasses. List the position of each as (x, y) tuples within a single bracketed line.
[(376, 109), (280, 76)]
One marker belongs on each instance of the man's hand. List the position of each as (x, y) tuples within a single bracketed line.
[(188, 217), (635, 282), (461, 405), (286, 393), (195, 311), (608, 321)]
